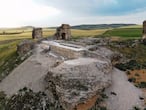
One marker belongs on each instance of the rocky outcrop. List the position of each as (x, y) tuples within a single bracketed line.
[(94, 41), (24, 47), (76, 81)]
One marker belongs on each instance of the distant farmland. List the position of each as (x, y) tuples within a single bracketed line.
[(125, 33), (20, 33)]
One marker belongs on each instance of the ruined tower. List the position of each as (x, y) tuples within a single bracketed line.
[(63, 32), (144, 30), (37, 33)]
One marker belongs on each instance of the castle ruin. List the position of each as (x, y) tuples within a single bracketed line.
[(63, 32), (144, 30), (37, 33)]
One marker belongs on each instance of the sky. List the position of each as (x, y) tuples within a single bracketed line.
[(47, 13)]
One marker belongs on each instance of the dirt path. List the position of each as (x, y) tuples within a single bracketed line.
[(124, 95), (30, 73)]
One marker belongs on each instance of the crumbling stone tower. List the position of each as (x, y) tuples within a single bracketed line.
[(144, 29), (63, 32), (144, 32), (37, 33)]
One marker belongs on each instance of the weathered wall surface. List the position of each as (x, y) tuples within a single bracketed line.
[(63, 32), (144, 32), (37, 33), (67, 51), (144, 27), (25, 46)]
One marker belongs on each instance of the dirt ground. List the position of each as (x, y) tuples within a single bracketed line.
[(140, 76), (30, 73), (122, 95)]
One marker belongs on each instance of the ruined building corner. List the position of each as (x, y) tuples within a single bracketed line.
[(63, 32)]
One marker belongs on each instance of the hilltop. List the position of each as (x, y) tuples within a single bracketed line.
[(99, 26)]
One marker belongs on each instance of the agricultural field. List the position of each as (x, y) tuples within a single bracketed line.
[(132, 26), (87, 33), (13, 34), (8, 57), (125, 33)]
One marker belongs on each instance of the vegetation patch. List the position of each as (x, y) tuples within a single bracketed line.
[(136, 108), (9, 58), (132, 79), (126, 33), (131, 65), (141, 85), (134, 51), (100, 104), (26, 99)]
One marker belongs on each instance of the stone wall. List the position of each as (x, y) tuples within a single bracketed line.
[(63, 32), (24, 47), (144, 29), (66, 50), (37, 33)]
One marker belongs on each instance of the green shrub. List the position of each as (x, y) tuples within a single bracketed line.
[(137, 75), (132, 80), (142, 85), (136, 108), (128, 73), (131, 65), (2, 100), (103, 108), (26, 99)]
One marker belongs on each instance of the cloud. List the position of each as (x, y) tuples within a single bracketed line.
[(122, 7), (97, 11), (19, 12), (56, 12), (97, 7)]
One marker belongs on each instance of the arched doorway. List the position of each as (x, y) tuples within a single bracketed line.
[(63, 36)]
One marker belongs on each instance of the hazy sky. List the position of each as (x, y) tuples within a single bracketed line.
[(55, 12)]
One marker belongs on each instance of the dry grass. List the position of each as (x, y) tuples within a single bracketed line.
[(48, 32), (87, 33), (90, 103), (139, 75), (27, 33), (23, 34)]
